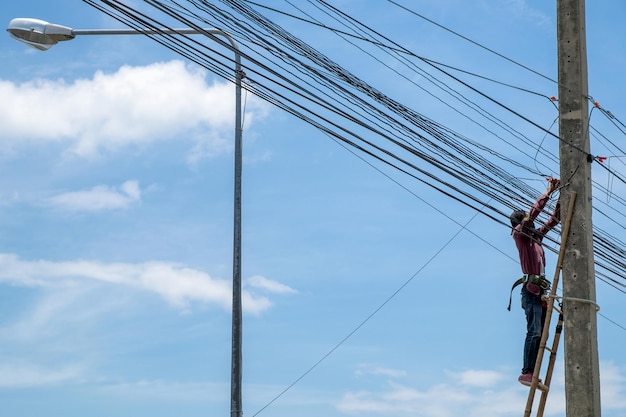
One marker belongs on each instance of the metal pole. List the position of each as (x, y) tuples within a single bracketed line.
[(582, 375), (236, 409)]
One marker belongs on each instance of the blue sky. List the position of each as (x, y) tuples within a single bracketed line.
[(116, 247)]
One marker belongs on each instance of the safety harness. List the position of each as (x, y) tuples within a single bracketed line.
[(538, 280)]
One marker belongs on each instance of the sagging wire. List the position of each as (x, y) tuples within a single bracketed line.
[(431, 128)]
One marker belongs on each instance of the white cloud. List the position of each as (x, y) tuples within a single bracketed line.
[(374, 369), (478, 378), (612, 386), (178, 285), (135, 105), (268, 285), (439, 400), (521, 9), (131, 189), (20, 374), (477, 393), (100, 197), (168, 391), (65, 305)]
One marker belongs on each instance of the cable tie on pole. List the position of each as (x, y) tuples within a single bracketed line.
[(580, 300)]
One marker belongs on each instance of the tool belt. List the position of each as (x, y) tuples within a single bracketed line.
[(539, 281)]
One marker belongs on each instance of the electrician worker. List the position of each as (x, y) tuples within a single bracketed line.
[(533, 262)]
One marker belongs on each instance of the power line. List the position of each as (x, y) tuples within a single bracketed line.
[(471, 41), (326, 87)]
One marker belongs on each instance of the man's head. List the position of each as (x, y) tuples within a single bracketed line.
[(517, 217)]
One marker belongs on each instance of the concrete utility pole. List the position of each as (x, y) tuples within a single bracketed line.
[(582, 374)]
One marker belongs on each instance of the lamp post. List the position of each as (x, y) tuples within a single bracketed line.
[(43, 35)]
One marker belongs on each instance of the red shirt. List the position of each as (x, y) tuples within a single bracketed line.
[(528, 239)]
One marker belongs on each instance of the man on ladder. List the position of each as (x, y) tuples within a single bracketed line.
[(532, 260)]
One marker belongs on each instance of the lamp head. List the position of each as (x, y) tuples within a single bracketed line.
[(38, 33)]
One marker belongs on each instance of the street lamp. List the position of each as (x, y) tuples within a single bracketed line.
[(43, 35)]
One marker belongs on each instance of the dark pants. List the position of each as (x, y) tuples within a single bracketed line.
[(535, 318)]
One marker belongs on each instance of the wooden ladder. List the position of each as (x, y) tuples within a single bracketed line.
[(535, 384)]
